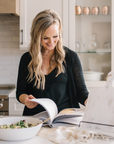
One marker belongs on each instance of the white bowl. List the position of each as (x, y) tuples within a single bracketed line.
[(19, 134), (92, 75)]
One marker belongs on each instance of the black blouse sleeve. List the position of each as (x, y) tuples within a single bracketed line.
[(81, 89), (76, 84), (22, 75)]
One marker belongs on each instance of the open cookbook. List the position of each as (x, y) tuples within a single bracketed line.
[(66, 117)]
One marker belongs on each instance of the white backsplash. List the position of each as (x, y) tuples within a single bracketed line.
[(10, 52)]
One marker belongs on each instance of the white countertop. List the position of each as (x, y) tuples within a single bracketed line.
[(40, 140), (34, 140)]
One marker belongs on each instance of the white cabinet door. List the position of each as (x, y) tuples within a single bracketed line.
[(30, 8), (15, 108)]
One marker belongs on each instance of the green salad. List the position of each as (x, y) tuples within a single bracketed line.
[(17, 125)]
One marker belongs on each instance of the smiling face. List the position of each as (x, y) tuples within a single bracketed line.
[(51, 37)]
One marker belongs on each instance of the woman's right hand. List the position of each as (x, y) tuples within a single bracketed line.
[(29, 103)]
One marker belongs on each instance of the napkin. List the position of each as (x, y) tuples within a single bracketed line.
[(69, 135)]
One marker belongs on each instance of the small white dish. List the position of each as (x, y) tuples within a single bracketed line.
[(92, 75)]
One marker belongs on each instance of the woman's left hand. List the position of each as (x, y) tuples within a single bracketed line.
[(29, 103)]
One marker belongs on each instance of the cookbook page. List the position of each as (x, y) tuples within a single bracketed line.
[(48, 105), (42, 115), (70, 120), (68, 113)]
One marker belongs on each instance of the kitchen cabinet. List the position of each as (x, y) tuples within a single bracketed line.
[(100, 59), (15, 107), (10, 7), (30, 8)]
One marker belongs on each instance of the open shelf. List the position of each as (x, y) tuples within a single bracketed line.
[(93, 15), (95, 83), (95, 52)]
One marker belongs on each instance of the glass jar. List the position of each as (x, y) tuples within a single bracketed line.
[(92, 43), (77, 46)]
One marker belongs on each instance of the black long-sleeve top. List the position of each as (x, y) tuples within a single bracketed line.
[(66, 90)]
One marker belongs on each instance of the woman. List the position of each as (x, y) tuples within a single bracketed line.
[(49, 70)]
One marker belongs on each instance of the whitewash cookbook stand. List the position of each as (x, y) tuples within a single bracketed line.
[(99, 111)]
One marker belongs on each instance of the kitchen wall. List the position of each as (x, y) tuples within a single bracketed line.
[(9, 48)]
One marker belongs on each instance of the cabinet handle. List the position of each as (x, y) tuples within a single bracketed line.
[(21, 36), (1, 103)]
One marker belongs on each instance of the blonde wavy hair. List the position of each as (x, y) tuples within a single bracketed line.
[(41, 23)]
